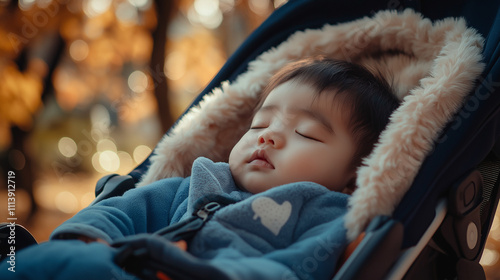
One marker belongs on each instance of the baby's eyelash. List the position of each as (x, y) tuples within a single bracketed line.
[(307, 137)]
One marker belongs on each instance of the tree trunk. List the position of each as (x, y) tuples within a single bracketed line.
[(164, 11)]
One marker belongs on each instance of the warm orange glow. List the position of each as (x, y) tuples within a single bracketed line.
[(20, 96)]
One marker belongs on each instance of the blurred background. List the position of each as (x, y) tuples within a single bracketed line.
[(88, 87)]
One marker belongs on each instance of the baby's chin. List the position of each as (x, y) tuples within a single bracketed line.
[(248, 183), (254, 188)]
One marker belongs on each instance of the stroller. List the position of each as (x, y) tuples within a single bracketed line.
[(428, 192)]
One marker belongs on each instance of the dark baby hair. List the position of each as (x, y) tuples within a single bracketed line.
[(369, 100)]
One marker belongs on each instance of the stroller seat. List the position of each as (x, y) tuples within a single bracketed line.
[(432, 66)]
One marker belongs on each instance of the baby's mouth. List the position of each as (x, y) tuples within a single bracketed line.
[(260, 158)]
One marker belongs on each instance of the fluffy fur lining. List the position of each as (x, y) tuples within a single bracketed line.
[(431, 65)]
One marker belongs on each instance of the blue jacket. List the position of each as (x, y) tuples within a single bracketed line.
[(293, 231)]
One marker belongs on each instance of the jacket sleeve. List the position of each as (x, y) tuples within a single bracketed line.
[(140, 210), (68, 259)]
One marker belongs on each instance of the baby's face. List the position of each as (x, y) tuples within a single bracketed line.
[(295, 136)]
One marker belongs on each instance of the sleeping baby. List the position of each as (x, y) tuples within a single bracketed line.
[(287, 181)]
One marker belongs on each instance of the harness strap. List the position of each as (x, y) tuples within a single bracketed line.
[(135, 259), (185, 230)]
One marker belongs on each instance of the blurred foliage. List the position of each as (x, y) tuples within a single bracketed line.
[(17, 109), (81, 97)]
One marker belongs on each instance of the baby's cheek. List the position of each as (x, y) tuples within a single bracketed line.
[(235, 170), (301, 170)]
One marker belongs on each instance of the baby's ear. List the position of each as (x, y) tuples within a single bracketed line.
[(350, 187)]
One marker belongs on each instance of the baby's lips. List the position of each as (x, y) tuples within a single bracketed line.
[(260, 157)]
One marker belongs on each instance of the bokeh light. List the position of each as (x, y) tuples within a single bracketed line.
[(100, 121), (141, 4), (126, 12), (126, 162), (79, 50), (206, 13), (96, 164), (105, 145), (138, 81), (26, 4), (94, 8), (206, 8), (66, 202), (67, 147), (109, 161), (141, 152)]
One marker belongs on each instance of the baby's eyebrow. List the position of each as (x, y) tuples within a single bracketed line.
[(268, 108)]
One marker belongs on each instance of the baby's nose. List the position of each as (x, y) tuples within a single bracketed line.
[(271, 138), (263, 140)]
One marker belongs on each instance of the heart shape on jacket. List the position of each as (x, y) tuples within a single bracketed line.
[(272, 215)]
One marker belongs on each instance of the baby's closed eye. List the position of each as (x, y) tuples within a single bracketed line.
[(308, 136)]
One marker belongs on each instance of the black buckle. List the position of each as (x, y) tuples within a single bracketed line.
[(187, 229), (135, 261), (112, 185)]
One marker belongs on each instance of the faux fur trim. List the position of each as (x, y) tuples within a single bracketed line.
[(432, 66)]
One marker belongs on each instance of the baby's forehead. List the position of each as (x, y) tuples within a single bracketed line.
[(310, 96), (326, 101)]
